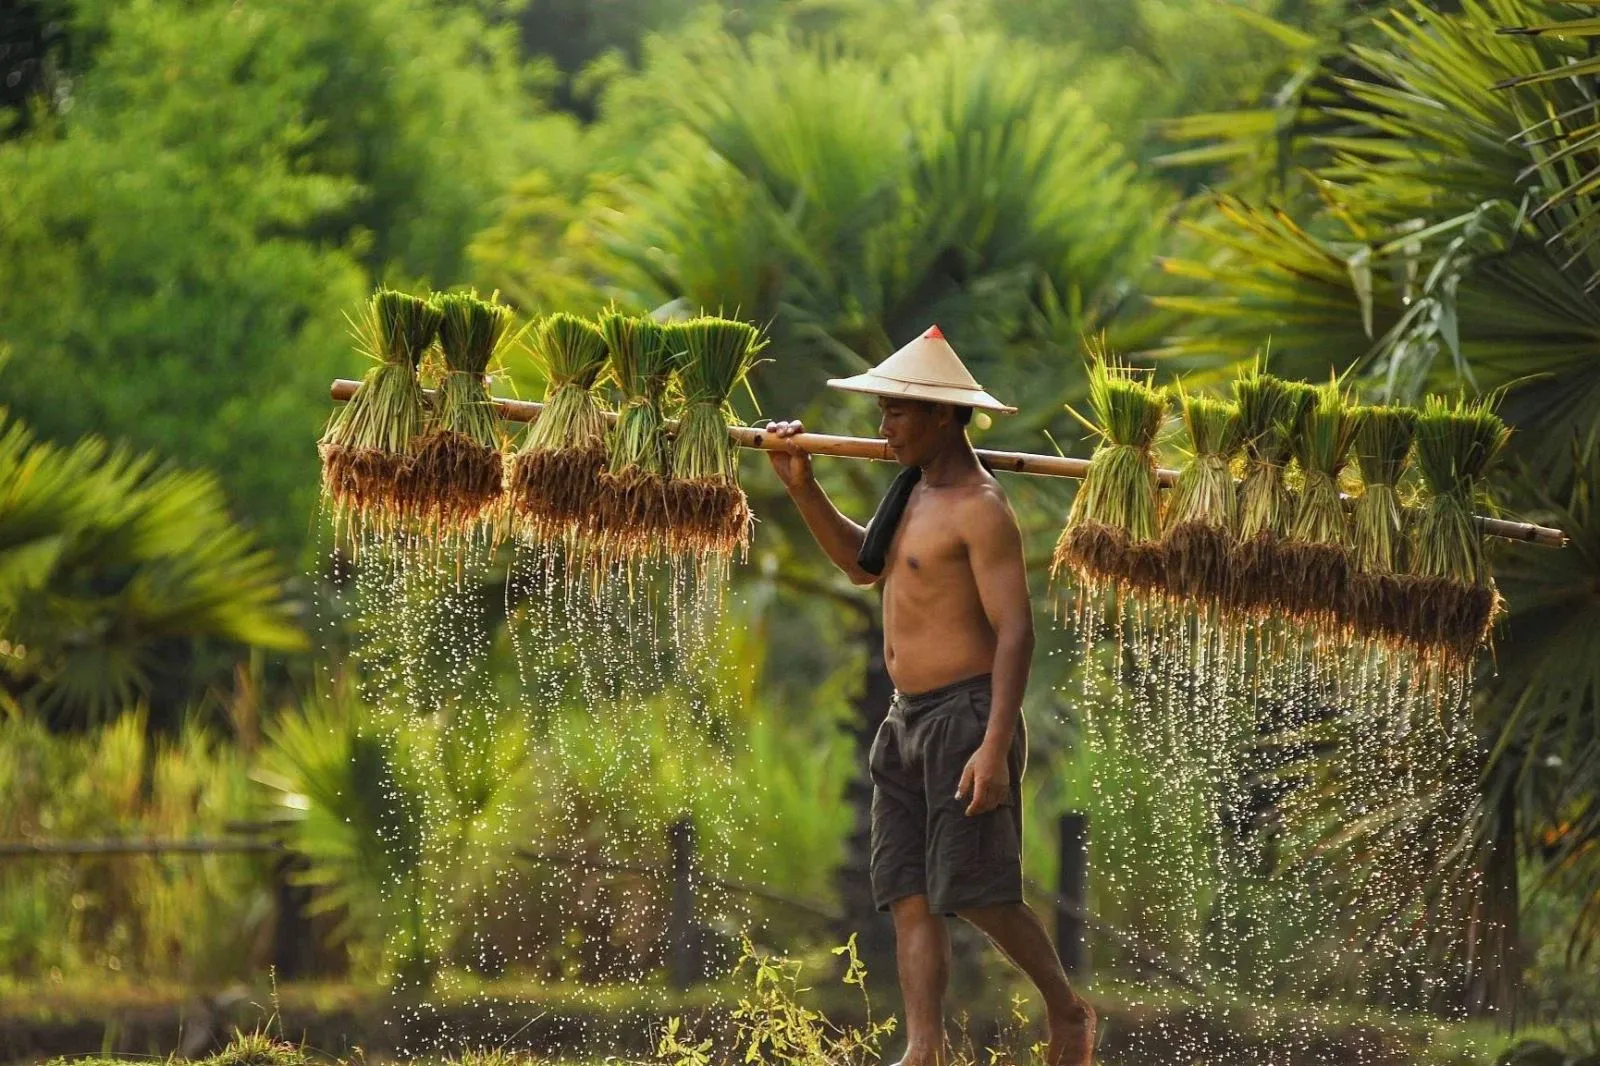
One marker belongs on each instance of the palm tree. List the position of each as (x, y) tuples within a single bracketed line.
[(1442, 237), (111, 563)]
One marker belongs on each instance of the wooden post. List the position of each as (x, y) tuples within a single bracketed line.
[(1072, 901), (683, 965), (292, 941)]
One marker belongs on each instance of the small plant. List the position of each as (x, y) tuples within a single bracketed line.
[(710, 511), (555, 477), (1269, 410), (458, 474), (771, 1025), (1203, 510), (1109, 539), (634, 511), (368, 464), (1378, 525), (1453, 598), (1315, 559)]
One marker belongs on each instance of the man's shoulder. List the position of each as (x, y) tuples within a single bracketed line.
[(984, 505)]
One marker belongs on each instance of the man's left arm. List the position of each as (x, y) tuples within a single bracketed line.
[(994, 546)]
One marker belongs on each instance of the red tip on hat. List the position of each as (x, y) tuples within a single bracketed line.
[(934, 334)]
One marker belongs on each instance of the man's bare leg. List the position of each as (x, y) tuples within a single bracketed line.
[(1019, 933), (922, 953)]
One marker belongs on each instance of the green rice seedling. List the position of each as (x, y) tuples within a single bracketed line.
[(367, 456), (1203, 509), (459, 472), (1315, 559), (710, 511), (1378, 523), (555, 476), (1269, 409), (1110, 535), (634, 511), (1453, 601)]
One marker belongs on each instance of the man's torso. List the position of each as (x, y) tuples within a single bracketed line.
[(935, 628)]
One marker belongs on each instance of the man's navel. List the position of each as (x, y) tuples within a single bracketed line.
[(911, 561)]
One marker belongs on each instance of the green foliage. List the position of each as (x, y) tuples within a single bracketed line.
[(176, 248), (109, 563), (142, 917)]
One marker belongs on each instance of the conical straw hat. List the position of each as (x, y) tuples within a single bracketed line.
[(926, 369)]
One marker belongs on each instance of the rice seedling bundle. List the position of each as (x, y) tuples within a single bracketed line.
[(555, 476), (1269, 411), (1202, 510), (1453, 597), (1378, 523), (1110, 535), (367, 458), (710, 513), (459, 473), (633, 513), (1315, 559)]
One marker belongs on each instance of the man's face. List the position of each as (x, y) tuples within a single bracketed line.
[(914, 429)]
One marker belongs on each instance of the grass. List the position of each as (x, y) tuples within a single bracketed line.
[(826, 1022)]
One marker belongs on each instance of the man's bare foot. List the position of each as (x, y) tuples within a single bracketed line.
[(1072, 1035)]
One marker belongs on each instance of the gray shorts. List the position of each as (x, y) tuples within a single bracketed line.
[(923, 842)]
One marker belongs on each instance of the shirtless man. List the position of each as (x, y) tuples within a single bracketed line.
[(947, 763)]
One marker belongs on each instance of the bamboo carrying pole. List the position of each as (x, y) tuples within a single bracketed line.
[(1016, 462)]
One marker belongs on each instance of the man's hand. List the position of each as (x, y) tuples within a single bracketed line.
[(793, 466), (986, 780)]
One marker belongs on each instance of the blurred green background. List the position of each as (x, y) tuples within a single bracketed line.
[(193, 195)]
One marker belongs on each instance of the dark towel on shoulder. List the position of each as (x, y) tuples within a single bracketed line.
[(885, 520)]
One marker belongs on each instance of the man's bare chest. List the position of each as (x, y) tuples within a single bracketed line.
[(927, 549)]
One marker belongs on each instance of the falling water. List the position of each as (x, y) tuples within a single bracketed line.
[(1269, 804)]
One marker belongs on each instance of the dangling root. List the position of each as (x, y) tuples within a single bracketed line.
[(1103, 555), (1316, 583), (633, 515), (1443, 616), (709, 516), (1197, 561), (1258, 587), (456, 480), (370, 489), (556, 492)]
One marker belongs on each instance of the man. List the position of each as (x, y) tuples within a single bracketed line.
[(958, 636)]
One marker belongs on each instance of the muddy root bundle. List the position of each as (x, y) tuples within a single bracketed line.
[(1202, 511), (1378, 522), (555, 476), (1314, 561), (1452, 601), (633, 513), (1110, 537), (368, 464), (459, 472), (709, 511), (1269, 411)]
